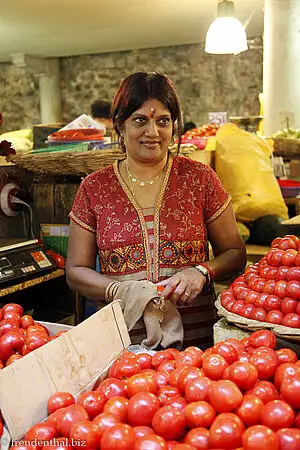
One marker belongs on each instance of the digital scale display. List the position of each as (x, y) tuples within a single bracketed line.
[(20, 260)]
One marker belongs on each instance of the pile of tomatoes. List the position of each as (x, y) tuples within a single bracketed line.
[(19, 334), (209, 129), (242, 395), (269, 291)]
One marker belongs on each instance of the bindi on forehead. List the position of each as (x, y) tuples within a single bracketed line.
[(152, 112)]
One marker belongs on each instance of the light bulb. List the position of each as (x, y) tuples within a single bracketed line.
[(226, 35)]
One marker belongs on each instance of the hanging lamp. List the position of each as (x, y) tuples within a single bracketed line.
[(226, 35)]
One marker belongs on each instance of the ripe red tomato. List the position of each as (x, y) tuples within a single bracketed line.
[(284, 370), (260, 437), (59, 443), (151, 442), (226, 350), (26, 321), (144, 360), (274, 316), (197, 389), (274, 257), (226, 431), (167, 392), (160, 357), (236, 344), (7, 325), (266, 363), (127, 367), (198, 437), (265, 390), (293, 273), (141, 382), (260, 301), (13, 358), (104, 421), (262, 338), (288, 438), (187, 359), (289, 258), (251, 295), (71, 415), (224, 396), (173, 376), (93, 402), (291, 320), (59, 400), (111, 387), (169, 423), (273, 302), (13, 315), (280, 288), (243, 374), (12, 307), (117, 406), (199, 414), (286, 355), (282, 273), (293, 289), (161, 379), (141, 409), (142, 430), (10, 343), (250, 410), (214, 366), (85, 433), (167, 366), (269, 287), (118, 437), (41, 432), (277, 414), (290, 390), (188, 374), (259, 314), (177, 402), (288, 305)]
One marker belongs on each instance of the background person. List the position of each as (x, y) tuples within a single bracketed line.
[(100, 111), (150, 217)]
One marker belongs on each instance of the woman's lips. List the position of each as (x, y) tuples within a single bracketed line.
[(150, 144)]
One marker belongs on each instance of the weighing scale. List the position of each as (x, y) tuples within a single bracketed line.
[(21, 260)]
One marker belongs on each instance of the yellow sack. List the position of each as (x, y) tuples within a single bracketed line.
[(243, 164)]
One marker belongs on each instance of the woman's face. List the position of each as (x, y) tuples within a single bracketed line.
[(148, 132)]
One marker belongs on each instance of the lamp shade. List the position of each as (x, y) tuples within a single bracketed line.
[(226, 35)]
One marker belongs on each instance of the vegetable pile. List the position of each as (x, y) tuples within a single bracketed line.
[(242, 395), (269, 291), (209, 129), (20, 334)]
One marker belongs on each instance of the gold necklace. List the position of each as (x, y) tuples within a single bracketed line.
[(142, 183)]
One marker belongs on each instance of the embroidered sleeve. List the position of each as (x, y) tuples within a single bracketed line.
[(216, 198), (82, 212)]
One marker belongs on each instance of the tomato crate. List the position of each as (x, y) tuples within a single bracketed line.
[(74, 362)]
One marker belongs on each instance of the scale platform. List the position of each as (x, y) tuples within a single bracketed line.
[(21, 260)]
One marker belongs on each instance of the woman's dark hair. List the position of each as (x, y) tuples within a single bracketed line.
[(139, 87)]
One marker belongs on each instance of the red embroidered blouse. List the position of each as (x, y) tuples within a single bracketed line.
[(191, 196)]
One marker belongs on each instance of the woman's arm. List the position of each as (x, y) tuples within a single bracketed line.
[(80, 268), (228, 247)]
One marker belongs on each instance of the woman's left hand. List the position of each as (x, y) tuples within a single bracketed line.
[(184, 287)]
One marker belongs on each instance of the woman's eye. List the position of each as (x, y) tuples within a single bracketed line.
[(164, 121), (140, 120)]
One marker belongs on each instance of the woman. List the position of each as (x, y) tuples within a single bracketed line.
[(150, 216)]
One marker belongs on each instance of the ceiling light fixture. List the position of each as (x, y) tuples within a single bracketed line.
[(226, 35)]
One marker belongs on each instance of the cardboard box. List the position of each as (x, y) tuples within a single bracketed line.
[(73, 362), (295, 168)]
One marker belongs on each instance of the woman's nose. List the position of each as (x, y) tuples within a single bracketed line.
[(151, 129)]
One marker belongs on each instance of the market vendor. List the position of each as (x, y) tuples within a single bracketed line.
[(151, 217), (100, 111)]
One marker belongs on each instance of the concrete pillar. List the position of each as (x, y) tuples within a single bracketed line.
[(50, 93), (281, 74)]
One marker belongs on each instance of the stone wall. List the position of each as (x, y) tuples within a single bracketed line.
[(204, 82), (19, 98)]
